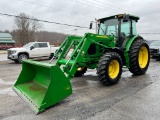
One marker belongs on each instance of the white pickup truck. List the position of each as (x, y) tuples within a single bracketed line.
[(31, 50)]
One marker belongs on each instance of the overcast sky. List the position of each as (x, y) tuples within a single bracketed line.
[(81, 12)]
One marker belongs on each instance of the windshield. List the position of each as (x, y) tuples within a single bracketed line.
[(27, 45), (157, 43), (110, 27)]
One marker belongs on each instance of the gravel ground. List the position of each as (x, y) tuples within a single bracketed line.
[(134, 97)]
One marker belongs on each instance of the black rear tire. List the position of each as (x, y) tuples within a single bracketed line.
[(139, 56), (110, 68)]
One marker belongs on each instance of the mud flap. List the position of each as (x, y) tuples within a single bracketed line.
[(42, 85)]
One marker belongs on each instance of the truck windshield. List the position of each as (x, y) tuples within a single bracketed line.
[(27, 45)]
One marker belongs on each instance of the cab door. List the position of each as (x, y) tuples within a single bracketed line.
[(45, 49), (35, 50)]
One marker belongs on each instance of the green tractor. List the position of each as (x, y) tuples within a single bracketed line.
[(116, 45)]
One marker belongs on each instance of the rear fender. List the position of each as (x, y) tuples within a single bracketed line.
[(127, 46), (130, 41)]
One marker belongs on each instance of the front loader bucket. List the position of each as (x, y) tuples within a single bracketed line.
[(42, 85)]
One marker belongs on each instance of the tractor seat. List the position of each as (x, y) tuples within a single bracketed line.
[(123, 36)]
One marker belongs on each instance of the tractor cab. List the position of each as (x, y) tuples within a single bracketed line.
[(120, 26)]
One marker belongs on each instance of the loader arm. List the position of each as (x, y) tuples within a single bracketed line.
[(79, 56)]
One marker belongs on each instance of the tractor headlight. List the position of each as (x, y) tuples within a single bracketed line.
[(83, 53), (14, 51)]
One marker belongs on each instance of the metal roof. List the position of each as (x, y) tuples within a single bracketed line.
[(5, 35), (7, 41), (6, 38)]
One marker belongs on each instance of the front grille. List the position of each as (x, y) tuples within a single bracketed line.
[(154, 50)]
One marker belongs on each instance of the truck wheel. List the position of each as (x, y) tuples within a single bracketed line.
[(22, 57), (80, 71), (110, 68), (139, 55)]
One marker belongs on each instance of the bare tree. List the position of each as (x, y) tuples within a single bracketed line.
[(35, 25), (26, 28)]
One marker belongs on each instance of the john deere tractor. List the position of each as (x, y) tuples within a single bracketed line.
[(116, 45)]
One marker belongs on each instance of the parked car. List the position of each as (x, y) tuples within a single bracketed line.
[(155, 49), (3, 47), (31, 50), (150, 41), (10, 46)]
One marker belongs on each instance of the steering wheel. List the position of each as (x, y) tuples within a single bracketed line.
[(112, 32)]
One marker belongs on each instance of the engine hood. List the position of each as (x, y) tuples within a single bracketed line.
[(18, 49), (154, 47)]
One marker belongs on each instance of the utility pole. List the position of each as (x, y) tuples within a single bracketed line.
[(97, 25)]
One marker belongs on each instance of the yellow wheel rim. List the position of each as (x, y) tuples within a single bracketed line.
[(80, 69), (114, 69), (143, 57)]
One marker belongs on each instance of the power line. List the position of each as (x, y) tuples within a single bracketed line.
[(113, 7), (100, 4), (62, 9), (9, 15), (81, 29), (54, 8), (92, 5), (44, 21)]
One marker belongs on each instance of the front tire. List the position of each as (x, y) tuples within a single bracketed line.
[(22, 57), (110, 68), (139, 55)]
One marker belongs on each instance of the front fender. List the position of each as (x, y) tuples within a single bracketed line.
[(24, 53)]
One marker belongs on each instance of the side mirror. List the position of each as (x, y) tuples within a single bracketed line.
[(90, 26), (125, 18), (32, 47)]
